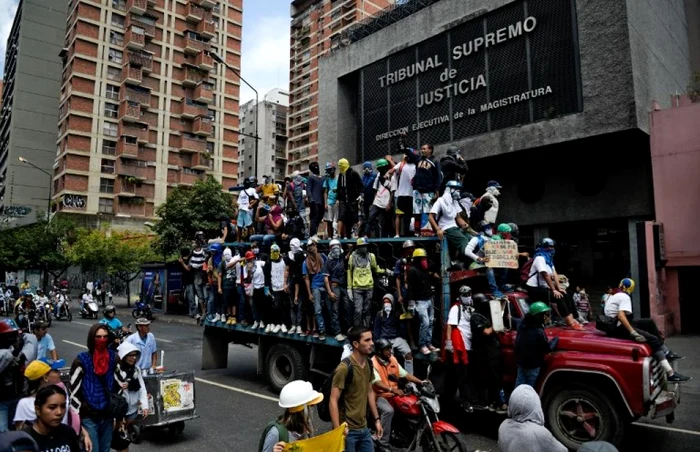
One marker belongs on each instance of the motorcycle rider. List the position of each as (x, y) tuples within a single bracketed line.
[(85, 299), (24, 306), (40, 300), (45, 344), (385, 383), (113, 323)]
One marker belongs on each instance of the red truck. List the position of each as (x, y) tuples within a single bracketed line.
[(591, 387)]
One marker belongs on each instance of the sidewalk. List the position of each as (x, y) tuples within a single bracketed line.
[(124, 314)]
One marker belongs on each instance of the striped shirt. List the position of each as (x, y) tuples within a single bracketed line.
[(197, 259)]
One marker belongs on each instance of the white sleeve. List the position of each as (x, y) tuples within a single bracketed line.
[(539, 265), (437, 207), (453, 317), (626, 305), (469, 250), (25, 410), (143, 395)]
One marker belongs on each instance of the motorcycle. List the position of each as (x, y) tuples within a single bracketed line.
[(416, 426), (89, 310), (45, 311), (117, 337), (62, 308), (142, 309), (25, 318)]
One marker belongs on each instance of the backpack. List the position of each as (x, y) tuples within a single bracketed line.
[(324, 411), (526, 270), (283, 433)]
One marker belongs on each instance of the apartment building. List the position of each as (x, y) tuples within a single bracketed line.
[(316, 30), (29, 109), (270, 157), (145, 107)]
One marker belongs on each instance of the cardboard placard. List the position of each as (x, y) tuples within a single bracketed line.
[(501, 254)]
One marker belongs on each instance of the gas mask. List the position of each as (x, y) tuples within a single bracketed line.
[(228, 255), (367, 171), (335, 252), (455, 194), (255, 251), (275, 253), (466, 301), (488, 232), (493, 191), (387, 308), (362, 250)]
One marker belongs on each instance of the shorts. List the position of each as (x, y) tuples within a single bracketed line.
[(347, 213), (245, 219), (404, 205), (332, 213), (422, 202), (400, 345)]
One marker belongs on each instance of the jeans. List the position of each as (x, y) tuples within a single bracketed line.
[(321, 298), (211, 301), (243, 313), (259, 305), (199, 291), (190, 299), (100, 431), (359, 441), (343, 302), (386, 413), (280, 308), (296, 311), (426, 314), (362, 299), (527, 376), (315, 217), (7, 414), (493, 285)]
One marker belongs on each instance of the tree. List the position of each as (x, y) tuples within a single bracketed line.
[(188, 210)]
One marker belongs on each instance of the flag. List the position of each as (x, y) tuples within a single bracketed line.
[(333, 441)]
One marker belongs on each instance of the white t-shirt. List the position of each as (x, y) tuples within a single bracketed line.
[(461, 321), (616, 303), (25, 411), (244, 198), (539, 265), (258, 279), (405, 184), (383, 196), (446, 210), (277, 270)]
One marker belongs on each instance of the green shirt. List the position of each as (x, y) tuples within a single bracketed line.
[(353, 405)]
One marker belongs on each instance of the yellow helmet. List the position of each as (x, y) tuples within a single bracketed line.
[(419, 252), (627, 285), (343, 165)]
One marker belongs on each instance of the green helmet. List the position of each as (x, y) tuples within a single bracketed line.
[(503, 227), (538, 308), (381, 163)]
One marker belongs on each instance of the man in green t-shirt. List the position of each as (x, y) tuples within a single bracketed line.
[(353, 407)]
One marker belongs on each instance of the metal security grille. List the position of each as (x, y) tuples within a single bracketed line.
[(513, 66)]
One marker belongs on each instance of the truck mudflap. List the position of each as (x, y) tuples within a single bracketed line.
[(666, 402)]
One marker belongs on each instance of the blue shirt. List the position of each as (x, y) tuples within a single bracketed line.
[(147, 347), (317, 280), (332, 186), (113, 323), (44, 346)]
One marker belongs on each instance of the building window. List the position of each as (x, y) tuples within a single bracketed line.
[(109, 147), (210, 147), (106, 185), (107, 168), (114, 74), (106, 205), (111, 110), (116, 38), (112, 92), (110, 129), (117, 20), (116, 56)]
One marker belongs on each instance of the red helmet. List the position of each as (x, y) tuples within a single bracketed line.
[(8, 326)]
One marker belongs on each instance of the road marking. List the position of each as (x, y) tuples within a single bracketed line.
[(83, 323), (670, 429), (232, 388), (163, 340), (74, 343)]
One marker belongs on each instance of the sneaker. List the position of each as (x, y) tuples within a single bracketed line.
[(233, 321), (276, 328), (245, 324), (268, 328), (671, 356), (216, 318), (339, 338), (255, 325), (321, 336), (262, 325), (283, 329), (315, 333), (304, 333), (298, 329), (433, 349), (425, 350), (678, 378), (197, 317), (223, 318)]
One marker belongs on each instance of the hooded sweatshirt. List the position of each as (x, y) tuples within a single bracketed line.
[(135, 394), (524, 429)]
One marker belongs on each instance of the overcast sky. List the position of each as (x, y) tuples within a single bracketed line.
[(265, 62)]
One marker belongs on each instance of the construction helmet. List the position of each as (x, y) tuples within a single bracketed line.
[(297, 394), (538, 308), (504, 228), (408, 244), (381, 163), (627, 285), (465, 291), (419, 252)]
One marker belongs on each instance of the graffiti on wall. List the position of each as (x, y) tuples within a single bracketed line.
[(74, 201)]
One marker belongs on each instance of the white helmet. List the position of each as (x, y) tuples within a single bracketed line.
[(297, 394), (335, 242), (465, 291)]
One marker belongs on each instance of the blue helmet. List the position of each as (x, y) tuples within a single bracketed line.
[(26, 292), (216, 249), (453, 184)]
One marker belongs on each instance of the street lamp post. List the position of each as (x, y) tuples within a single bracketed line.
[(220, 60), (48, 206)]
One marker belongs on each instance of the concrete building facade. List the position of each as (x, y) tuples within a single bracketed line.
[(317, 26), (144, 106), (270, 156), (549, 98), (29, 109)]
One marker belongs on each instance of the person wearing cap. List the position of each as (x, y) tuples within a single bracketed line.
[(295, 423), (453, 166), (40, 373), (330, 199), (349, 191), (16, 349), (145, 341), (387, 325), (361, 267), (420, 290), (45, 345), (490, 200), (312, 270), (314, 190)]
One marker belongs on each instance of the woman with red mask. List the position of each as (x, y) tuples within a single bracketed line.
[(92, 381), (420, 291)]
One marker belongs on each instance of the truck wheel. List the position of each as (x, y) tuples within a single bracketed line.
[(582, 414), (284, 364)]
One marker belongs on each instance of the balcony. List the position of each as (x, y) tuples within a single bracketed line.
[(189, 176), (135, 206), (140, 132), (202, 126), (148, 29), (208, 4), (192, 76), (205, 61), (204, 93), (201, 161), (192, 143), (131, 75), (129, 169), (144, 60), (129, 111), (190, 109), (135, 38), (124, 188), (141, 97), (206, 29), (136, 7), (127, 147), (195, 13), (193, 46)]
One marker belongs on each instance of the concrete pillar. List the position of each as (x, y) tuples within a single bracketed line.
[(634, 262)]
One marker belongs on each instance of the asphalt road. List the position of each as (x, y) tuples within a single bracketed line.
[(234, 404)]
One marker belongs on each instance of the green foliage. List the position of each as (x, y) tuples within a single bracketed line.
[(188, 210), (694, 87), (119, 253), (38, 246)]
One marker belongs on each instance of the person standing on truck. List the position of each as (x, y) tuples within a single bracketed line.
[(426, 184), (336, 281), (420, 291), (403, 174), (276, 277), (349, 190), (314, 189), (357, 395), (295, 262), (253, 274), (387, 326), (361, 266), (446, 222), (618, 307), (316, 290), (247, 202), (453, 167), (475, 252), (330, 196), (532, 345), (228, 293), (543, 283)]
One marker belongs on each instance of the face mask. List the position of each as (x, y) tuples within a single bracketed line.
[(335, 253), (368, 171), (488, 232), (362, 251), (387, 308), (466, 301), (101, 343), (256, 251), (494, 191), (424, 264), (227, 258), (455, 194), (274, 255)]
